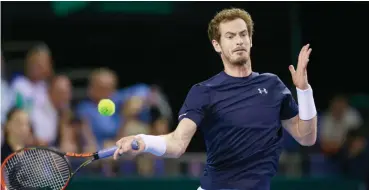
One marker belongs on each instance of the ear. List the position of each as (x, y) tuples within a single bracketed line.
[(216, 46)]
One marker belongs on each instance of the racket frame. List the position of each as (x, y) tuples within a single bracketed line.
[(94, 156)]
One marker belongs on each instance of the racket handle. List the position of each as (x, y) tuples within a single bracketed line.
[(135, 145), (110, 151)]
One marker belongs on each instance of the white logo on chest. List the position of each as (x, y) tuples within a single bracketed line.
[(262, 91)]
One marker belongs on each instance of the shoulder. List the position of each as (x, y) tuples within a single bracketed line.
[(20, 82), (199, 89), (270, 76), (199, 94), (84, 104), (85, 109), (212, 81), (273, 79)]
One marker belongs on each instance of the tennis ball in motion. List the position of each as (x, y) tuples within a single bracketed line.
[(106, 107)]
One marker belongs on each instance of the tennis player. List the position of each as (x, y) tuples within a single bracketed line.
[(240, 113)]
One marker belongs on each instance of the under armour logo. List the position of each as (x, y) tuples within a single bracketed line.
[(182, 115), (262, 90)]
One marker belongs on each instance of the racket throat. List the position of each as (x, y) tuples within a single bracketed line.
[(82, 165), (96, 157)]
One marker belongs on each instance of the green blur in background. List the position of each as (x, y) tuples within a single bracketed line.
[(192, 184), (65, 8)]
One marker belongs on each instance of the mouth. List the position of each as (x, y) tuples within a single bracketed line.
[(239, 50)]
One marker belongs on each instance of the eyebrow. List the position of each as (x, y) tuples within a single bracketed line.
[(231, 33)]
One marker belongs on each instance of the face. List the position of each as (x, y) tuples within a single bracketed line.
[(61, 93), (102, 86), (235, 43), (39, 66), (339, 107), (19, 125)]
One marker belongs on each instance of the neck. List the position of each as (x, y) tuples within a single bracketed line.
[(33, 80), (243, 70)]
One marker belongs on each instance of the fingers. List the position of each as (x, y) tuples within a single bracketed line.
[(124, 147), (292, 69), (304, 57), (308, 54), (117, 153), (303, 50)]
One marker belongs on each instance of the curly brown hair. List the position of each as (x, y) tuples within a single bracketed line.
[(228, 15)]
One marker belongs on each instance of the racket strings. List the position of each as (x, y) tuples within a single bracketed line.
[(36, 169)]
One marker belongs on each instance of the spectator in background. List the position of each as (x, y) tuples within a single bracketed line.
[(336, 123), (17, 132), (354, 156), (51, 120), (98, 130), (31, 88), (155, 104), (7, 95), (133, 125)]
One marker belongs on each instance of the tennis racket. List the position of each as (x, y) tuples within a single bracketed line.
[(39, 168)]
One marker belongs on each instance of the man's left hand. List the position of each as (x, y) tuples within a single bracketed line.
[(299, 76)]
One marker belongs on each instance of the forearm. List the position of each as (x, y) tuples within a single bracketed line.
[(175, 147), (171, 145), (307, 124), (307, 130), (168, 145)]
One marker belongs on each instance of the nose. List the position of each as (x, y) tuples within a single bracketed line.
[(239, 40)]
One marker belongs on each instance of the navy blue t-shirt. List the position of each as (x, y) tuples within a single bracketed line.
[(240, 118)]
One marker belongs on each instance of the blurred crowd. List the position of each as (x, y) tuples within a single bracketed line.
[(342, 148), (37, 109)]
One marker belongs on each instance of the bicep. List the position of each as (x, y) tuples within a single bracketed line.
[(291, 126)]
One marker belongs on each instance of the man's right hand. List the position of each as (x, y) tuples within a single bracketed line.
[(125, 147)]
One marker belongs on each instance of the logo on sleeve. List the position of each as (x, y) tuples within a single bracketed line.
[(182, 115)]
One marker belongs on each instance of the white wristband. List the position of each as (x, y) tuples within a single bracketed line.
[(154, 144), (306, 102)]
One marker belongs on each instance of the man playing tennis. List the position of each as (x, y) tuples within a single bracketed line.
[(239, 112)]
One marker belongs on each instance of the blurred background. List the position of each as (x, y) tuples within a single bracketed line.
[(146, 55)]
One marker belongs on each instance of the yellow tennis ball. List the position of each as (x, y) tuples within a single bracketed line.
[(106, 107)]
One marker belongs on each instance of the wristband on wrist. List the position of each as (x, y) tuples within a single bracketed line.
[(155, 145), (306, 103)]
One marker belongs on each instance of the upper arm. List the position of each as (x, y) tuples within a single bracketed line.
[(291, 126), (195, 105), (289, 108), (190, 116)]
